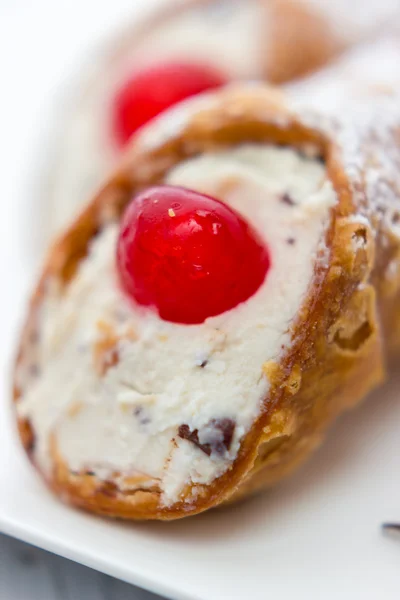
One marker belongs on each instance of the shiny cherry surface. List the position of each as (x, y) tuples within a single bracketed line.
[(152, 90), (187, 255)]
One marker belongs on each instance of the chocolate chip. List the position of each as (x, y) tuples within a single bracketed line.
[(201, 360), (227, 428), (109, 489), (291, 241), (185, 433), (140, 414), (217, 436), (286, 199)]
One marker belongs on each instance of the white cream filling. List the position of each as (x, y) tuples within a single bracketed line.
[(228, 34), (127, 421)]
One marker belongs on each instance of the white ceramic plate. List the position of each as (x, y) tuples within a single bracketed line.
[(317, 536)]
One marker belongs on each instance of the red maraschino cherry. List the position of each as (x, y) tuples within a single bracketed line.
[(152, 90), (188, 255)]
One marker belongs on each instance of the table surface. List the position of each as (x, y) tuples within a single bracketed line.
[(27, 573)]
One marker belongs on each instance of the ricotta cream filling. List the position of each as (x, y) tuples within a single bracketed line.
[(116, 383)]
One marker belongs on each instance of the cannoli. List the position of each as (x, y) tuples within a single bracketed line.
[(230, 291)]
